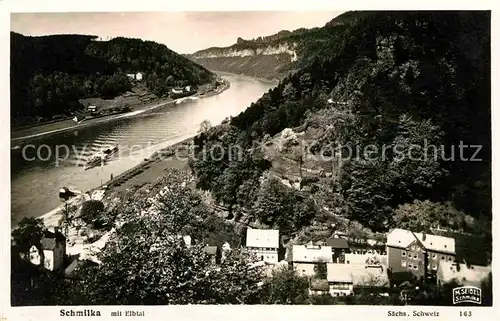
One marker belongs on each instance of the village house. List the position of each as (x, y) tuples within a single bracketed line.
[(53, 245), (347, 279), (418, 253), (339, 246), (462, 274), (264, 244), (135, 76), (306, 257), (187, 88), (92, 109)]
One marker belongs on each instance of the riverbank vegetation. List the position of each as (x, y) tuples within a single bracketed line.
[(49, 74)]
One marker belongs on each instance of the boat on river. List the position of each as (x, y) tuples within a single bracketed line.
[(100, 157)]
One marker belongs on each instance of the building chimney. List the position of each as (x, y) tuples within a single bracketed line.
[(423, 236)]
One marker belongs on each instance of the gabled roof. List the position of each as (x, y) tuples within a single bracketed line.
[(337, 243), (403, 238), (306, 253), (50, 240), (48, 244), (262, 238)]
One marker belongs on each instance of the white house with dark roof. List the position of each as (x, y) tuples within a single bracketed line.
[(53, 245), (418, 253), (305, 257), (264, 244)]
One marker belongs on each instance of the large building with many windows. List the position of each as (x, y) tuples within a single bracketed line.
[(418, 253)]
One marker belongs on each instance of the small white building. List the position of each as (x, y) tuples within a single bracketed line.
[(187, 88), (264, 244), (136, 76), (176, 91), (53, 246)]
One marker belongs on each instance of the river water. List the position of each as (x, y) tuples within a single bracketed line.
[(37, 176)]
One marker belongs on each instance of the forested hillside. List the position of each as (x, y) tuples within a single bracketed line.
[(401, 80), (50, 73)]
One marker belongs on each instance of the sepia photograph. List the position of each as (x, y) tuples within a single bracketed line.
[(250, 158)]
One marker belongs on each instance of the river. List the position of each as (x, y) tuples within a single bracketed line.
[(37, 176)]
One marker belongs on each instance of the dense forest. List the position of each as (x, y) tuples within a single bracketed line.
[(50, 74), (403, 79)]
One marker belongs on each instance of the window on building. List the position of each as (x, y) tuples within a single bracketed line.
[(449, 258), (403, 253), (434, 267), (442, 257), (415, 267), (409, 266), (415, 256), (403, 263), (434, 256)]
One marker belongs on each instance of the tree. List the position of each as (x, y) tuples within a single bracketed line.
[(205, 127), (285, 287), (29, 232), (148, 263), (320, 270), (237, 280), (422, 215), (91, 211)]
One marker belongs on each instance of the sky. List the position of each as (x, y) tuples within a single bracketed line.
[(183, 32)]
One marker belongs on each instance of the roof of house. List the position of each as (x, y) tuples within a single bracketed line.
[(404, 238), (51, 239), (48, 243), (311, 253), (358, 274), (210, 249), (338, 272), (262, 238), (462, 274), (319, 285), (337, 243)]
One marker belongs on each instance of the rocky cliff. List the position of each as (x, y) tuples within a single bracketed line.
[(252, 58)]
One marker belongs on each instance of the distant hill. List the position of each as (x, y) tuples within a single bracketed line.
[(274, 56), (49, 74)]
